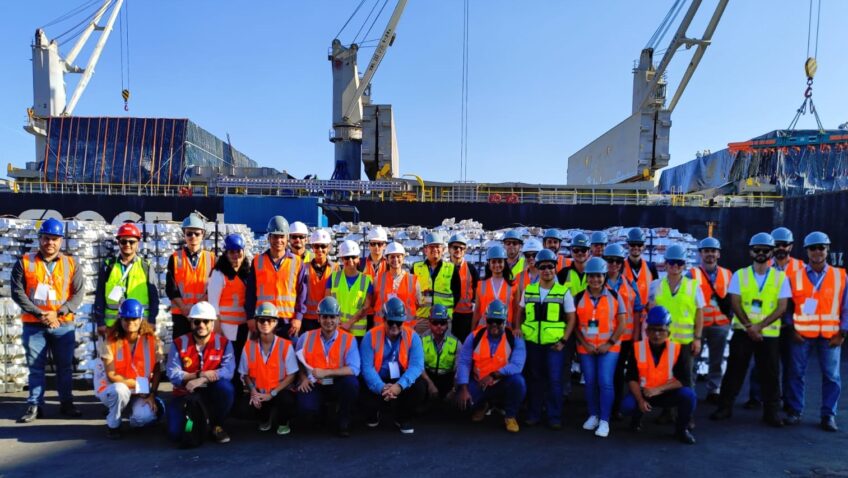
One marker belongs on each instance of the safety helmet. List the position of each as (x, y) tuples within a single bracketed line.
[(377, 234), (599, 237), (658, 316), (532, 245), (320, 236), (329, 306), (545, 255), (131, 309), (595, 265), (636, 236), (439, 312), (615, 250), (709, 243), (513, 235), (761, 239), (203, 310), (233, 242), (782, 234), (675, 252), (278, 225), (497, 310), (458, 238), (128, 230), (349, 248), (193, 221), (52, 227), (816, 238), (395, 248), (394, 310), (298, 227), (431, 238), (552, 234), (495, 252), (580, 240), (266, 309)]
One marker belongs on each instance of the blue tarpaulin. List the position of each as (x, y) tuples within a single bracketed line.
[(708, 171)]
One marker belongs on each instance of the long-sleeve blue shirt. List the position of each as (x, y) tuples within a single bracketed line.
[(466, 358), (375, 381), (174, 366), (351, 358)]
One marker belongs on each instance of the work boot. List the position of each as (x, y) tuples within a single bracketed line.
[(32, 412), (829, 424), (636, 424), (713, 398), (220, 435), (478, 414), (511, 424), (753, 404), (772, 419), (686, 437), (69, 410), (113, 433), (723, 413), (792, 419)]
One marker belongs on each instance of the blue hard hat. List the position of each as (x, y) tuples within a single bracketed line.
[(782, 234), (761, 239), (816, 238), (552, 234), (234, 242), (131, 309), (278, 225), (658, 316), (709, 243), (595, 265), (266, 309), (497, 310), (439, 312), (329, 306), (193, 221), (580, 240), (675, 253), (599, 237), (545, 255), (636, 236), (52, 227), (431, 238), (458, 238), (513, 235), (615, 250), (394, 310), (496, 252)]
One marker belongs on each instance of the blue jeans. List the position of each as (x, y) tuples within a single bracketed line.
[(599, 373), (343, 389), (61, 341), (544, 382), (510, 390), (831, 382), (683, 398), (217, 396)]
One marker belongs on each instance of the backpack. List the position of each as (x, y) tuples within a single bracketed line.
[(197, 424)]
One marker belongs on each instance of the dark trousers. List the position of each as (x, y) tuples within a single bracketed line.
[(767, 358), (787, 335), (618, 380), (280, 408), (443, 382), (568, 354), (683, 399), (403, 408), (218, 399), (345, 390), (181, 326), (461, 325), (686, 357), (238, 346)]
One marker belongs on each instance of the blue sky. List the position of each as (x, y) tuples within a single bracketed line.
[(546, 77)]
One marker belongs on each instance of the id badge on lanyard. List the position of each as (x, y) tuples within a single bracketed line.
[(810, 305), (592, 330)]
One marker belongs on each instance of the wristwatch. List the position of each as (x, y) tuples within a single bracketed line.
[(273, 393)]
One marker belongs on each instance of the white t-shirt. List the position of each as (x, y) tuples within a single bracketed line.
[(733, 288), (567, 300), (655, 287)]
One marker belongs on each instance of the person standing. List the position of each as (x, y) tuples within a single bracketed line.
[(352, 289), (298, 233), (227, 290), (512, 242), (498, 284), (636, 268), (396, 281), (597, 242), (188, 272), (530, 274), (48, 287), (463, 313), (318, 271), (552, 240), (439, 280), (573, 276), (375, 263)]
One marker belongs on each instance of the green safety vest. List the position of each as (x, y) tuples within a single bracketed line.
[(548, 327), (518, 268), (434, 293), (440, 363), (682, 307), (351, 299), (574, 283), (134, 286), (768, 297)]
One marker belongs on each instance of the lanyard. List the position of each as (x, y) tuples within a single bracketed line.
[(328, 346), (761, 285), (392, 349), (126, 271), (818, 283)]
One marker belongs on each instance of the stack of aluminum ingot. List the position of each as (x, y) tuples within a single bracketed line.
[(13, 369)]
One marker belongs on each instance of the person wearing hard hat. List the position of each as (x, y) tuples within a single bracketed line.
[(278, 276), (597, 242), (530, 275), (352, 289), (397, 282), (636, 268), (463, 313), (552, 240), (497, 284), (318, 271), (125, 276), (600, 323), (440, 351), (227, 290), (821, 324), (512, 242), (188, 271), (546, 321), (375, 262), (713, 281), (201, 363), (298, 233), (656, 377), (329, 364), (573, 276), (439, 280), (268, 367), (392, 364), (131, 355), (48, 286), (489, 368), (759, 294)]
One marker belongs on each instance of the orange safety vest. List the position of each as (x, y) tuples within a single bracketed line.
[(485, 362), (267, 376), (465, 305), (231, 305), (316, 288), (605, 315), (35, 272), (486, 294), (368, 269), (317, 357), (378, 343), (643, 280), (524, 279), (712, 314), (654, 375), (791, 266), (278, 286), (825, 321), (563, 262), (627, 295), (131, 365), (191, 280), (406, 291), (213, 354)]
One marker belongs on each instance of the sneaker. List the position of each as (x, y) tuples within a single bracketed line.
[(265, 426), (591, 423), (792, 419), (828, 424), (685, 437), (478, 414), (220, 435), (405, 427), (373, 421), (113, 433), (283, 429), (344, 431), (603, 429), (69, 410), (636, 424), (511, 424), (32, 412)]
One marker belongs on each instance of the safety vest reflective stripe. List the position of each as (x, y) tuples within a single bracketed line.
[(712, 313), (59, 280), (643, 282), (191, 280), (627, 294), (825, 321), (408, 296), (575, 283), (434, 290), (484, 361), (548, 327), (486, 294), (466, 293), (316, 288), (378, 342), (277, 285), (651, 375), (683, 308), (440, 362), (126, 362), (768, 296), (231, 304), (318, 357), (518, 266), (351, 299), (134, 285), (267, 375), (605, 315)]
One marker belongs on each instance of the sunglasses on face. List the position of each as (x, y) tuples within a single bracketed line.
[(376, 244), (530, 255), (394, 323), (782, 245), (320, 246), (127, 242), (458, 248), (614, 260), (198, 322), (638, 245), (193, 233), (440, 323), (349, 258), (676, 263), (816, 248), (546, 267), (657, 330), (296, 236), (759, 251), (495, 322), (265, 320), (579, 250)]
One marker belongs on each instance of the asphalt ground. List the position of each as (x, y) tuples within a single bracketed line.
[(444, 445)]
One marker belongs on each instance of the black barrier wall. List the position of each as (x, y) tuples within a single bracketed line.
[(822, 212)]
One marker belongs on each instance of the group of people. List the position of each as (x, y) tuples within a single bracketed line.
[(289, 334)]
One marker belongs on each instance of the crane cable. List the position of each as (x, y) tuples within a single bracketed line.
[(124, 33), (463, 146), (810, 67)]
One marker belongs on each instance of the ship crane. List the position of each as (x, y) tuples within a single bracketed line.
[(637, 147)]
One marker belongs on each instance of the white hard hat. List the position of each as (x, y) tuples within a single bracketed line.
[(395, 248), (531, 245), (349, 248), (377, 234), (298, 227), (203, 310), (320, 236)]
